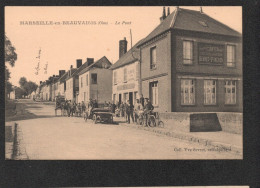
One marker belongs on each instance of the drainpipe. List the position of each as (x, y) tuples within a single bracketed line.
[(140, 79)]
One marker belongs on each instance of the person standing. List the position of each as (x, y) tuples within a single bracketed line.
[(129, 111), (137, 108), (148, 107), (141, 100)]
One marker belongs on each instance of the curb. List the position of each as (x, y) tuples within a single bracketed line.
[(217, 146)]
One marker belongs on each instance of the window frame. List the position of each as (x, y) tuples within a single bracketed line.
[(92, 78), (191, 60), (233, 62), (86, 79), (189, 88), (210, 87), (81, 81), (115, 77), (152, 85), (125, 74), (231, 86), (153, 65)]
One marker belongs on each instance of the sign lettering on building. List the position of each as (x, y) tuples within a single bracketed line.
[(126, 86), (211, 53)]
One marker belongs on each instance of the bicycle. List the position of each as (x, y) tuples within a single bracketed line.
[(154, 120)]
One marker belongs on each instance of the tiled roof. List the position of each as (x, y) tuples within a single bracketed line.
[(98, 63), (191, 20), (129, 57), (73, 70)]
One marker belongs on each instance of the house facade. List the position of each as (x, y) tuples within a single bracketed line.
[(192, 63), (95, 82), (126, 74)]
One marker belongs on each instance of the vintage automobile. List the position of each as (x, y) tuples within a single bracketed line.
[(99, 115)]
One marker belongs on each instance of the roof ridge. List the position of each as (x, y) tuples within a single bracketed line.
[(174, 17)]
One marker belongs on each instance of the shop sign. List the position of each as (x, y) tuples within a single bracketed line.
[(211, 53), (126, 86)]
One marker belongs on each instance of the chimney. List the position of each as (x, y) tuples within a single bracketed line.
[(163, 15), (122, 47), (201, 11), (40, 82), (61, 72), (90, 61), (168, 13), (79, 62)]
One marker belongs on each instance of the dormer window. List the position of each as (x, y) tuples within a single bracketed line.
[(203, 23)]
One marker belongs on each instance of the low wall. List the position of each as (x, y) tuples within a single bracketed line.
[(231, 122)]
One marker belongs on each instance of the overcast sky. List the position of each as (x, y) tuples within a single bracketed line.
[(61, 44)]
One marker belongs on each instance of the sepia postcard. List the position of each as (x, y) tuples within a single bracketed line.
[(123, 83)]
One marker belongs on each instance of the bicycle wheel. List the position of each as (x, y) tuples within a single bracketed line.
[(152, 122), (160, 124)]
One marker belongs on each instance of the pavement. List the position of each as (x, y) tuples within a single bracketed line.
[(218, 140), (43, 136)]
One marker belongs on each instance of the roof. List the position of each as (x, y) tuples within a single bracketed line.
[(99, 63), (191, 20), (129, 57), (63, 77), (73, 70)]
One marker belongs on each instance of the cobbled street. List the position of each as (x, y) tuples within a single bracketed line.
[(46, 137)]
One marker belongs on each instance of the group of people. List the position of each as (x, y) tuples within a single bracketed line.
[(143, 107)]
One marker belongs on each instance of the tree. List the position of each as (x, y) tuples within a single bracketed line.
[(8, 87), (30, 87), (10, 54), (22, 81), (10, 57)]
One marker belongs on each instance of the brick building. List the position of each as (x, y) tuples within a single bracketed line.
[(191, 62)]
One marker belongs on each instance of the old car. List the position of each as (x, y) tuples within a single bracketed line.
[(99, 115)]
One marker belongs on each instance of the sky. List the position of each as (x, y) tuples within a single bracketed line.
[(62, 44)]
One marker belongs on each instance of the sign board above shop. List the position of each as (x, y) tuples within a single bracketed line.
[(211, 53)]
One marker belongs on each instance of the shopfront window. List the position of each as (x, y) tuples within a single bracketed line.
[(209, 92), (230, 92), (187, 92), (187, 52), (230, 55)]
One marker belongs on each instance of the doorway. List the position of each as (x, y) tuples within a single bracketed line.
[(131, 97), (120, 99)]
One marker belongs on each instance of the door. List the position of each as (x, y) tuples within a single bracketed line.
[(120, 98), (131, 97)]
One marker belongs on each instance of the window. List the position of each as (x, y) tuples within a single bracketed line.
[(87, 79), (154, 93), (230, 55), (187, 92), (187, 52), (125, 74), (94, 78), (81, 82), (115, 77), (230, 92), (209, 92), (84, 98), (153, 58)]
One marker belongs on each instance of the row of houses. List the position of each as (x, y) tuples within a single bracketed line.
[(189, 62)]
